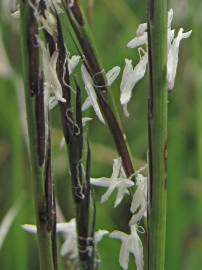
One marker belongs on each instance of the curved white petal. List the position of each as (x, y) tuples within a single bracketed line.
[(112, 74), (124, 255), (91, 92), (29, 228), (131, 77), (173, 55), (108, 193), (100, 182), (138, 41), (142, 28), (99, 235), (117, 164)]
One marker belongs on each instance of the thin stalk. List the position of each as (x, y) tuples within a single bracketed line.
[(157, 132), (197, 65), (105, 101), (31, 82)]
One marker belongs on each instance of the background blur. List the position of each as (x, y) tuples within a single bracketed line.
[(113, 24)]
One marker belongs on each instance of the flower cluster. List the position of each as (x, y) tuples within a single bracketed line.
[(68, 231), (133, 75), (118, 180)]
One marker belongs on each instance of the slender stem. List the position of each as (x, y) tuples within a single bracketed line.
[(157, 132), (197, 61), (104, 98), (31, 80)]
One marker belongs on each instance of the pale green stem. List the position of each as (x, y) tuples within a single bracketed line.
[(157, 125)]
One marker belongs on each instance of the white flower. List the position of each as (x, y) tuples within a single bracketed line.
[(112, 74), (131, 76), (139, 202), (69, 233), (172, 61), (92, 98), (118, 181), (173, 54), (130, 243), (141, 38)]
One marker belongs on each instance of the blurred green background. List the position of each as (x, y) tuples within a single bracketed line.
[(113, 24)]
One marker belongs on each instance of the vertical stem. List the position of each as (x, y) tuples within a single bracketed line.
[(157, 132), (31, 82), (197, 65)]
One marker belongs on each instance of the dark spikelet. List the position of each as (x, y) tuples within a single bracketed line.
[(63, 75), (33, 52), (40, 121)]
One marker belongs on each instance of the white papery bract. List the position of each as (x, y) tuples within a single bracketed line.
[(139, 202), (92, 98), (172, 61), (130, 243), (131, 76), (112, 74), (173, 53), (118, 181)]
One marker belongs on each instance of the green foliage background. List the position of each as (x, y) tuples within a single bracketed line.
[(113, 24)]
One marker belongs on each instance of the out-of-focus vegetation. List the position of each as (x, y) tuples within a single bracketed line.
[(113, 24)]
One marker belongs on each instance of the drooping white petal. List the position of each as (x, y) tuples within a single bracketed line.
[(99, 235), (173, 55), (107, 194), (117, 164), (73, 62), (124, 255), (131, 77), (118, 181), (112, 74), (130, 243), (120, 194), (138, 41), (118, 235), (91, 92), (170, 17), (137, 249), (29, 228), (142, 28), (100, 182)]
